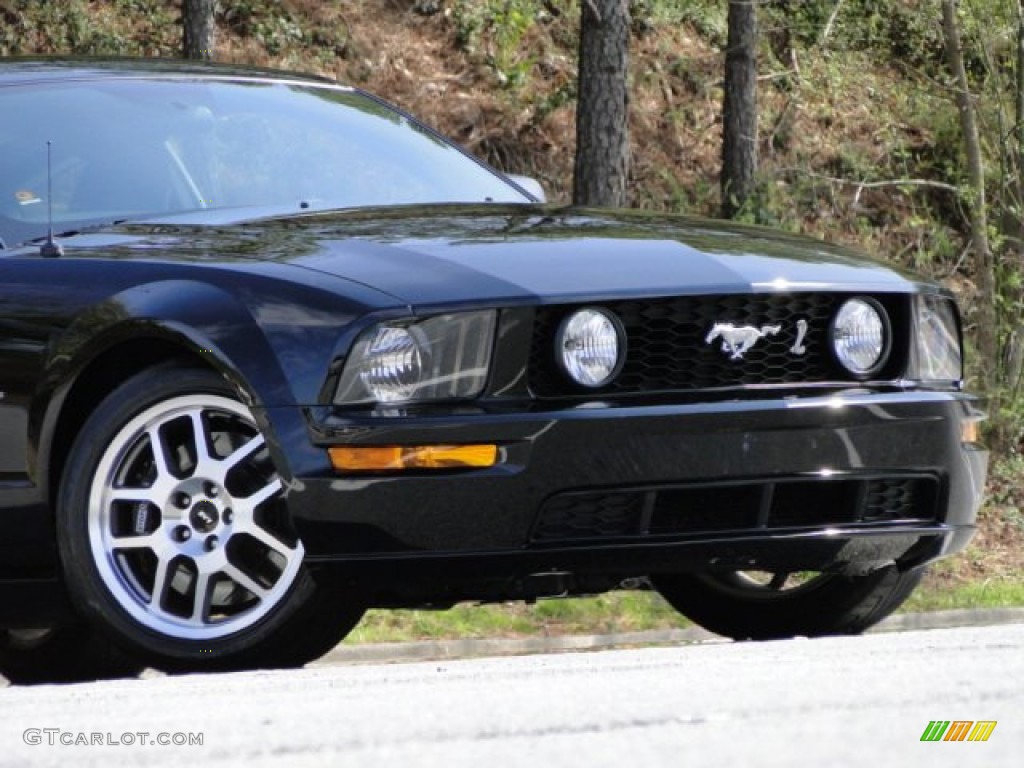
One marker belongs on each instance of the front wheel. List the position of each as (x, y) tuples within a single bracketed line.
[(175, 535), (754, 605)]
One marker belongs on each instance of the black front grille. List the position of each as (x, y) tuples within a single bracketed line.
[(724, 508), (667, 348), (583, 516), (895, 499)]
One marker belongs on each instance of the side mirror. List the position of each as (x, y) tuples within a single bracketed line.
[(530, 185)]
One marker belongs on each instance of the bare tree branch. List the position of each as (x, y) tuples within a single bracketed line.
[(984, 276)]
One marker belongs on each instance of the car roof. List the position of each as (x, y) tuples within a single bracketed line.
[(18, 70)]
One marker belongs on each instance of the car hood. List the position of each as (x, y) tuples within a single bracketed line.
[(449, 255)]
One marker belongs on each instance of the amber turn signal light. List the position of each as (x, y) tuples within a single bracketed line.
[(360, 458), (969, 431)]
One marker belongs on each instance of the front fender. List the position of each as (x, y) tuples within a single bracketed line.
[(204, 319), (201, 319)]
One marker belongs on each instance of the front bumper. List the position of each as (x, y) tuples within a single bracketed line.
[(485, 523)]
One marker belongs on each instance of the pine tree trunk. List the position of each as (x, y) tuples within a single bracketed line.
[(739, 108), (1018, 111), (602, 132), (197, 18), (984, 277), (1015, 345)]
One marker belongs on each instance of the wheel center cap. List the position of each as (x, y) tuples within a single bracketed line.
[(204, 517)]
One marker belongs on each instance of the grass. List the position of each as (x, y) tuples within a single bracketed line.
[(637, 611), (613, 612), (620, 612), (994, 593)]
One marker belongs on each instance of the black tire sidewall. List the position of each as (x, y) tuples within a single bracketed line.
[(68, 654), (836, 604)]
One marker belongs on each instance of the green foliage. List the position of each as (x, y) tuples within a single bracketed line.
[(281, 30), (1006, 490), (905, 31), (554, 100), (990, 593), (699, 197), (612, 612), (499, 27), (154, 11), (71, 27), (268, 22), (990, 30), (708, 18)]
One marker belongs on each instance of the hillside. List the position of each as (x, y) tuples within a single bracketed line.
[(498, 76)]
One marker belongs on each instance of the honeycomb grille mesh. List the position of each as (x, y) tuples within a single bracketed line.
[(749, 506), (667, 348), (890, 499), (583, 516)]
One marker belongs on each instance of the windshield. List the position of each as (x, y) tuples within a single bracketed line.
[(129, 149)]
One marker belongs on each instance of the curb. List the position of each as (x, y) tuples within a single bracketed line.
[(437, 650)]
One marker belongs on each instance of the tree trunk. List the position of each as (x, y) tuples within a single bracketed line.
[(983, 263), (1018, 111), (739, 108), (602, 131), (197, 18), (1012, 377)]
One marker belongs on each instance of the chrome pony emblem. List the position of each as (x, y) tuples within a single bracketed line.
[(738, 339)]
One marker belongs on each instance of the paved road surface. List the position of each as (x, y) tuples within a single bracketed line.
[(825, 703)]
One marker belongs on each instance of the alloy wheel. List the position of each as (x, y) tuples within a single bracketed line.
[(186, 522)]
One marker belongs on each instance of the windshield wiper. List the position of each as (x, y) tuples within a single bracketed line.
[(84, 230), (44, 238)]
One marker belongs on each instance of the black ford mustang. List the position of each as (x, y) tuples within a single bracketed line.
[(286, 354)]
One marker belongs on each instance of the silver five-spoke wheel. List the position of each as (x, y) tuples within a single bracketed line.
[(177, 532), (185, 520)]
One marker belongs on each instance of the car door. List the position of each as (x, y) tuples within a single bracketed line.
[(30, 315)]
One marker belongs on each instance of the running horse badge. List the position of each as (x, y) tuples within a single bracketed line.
[(738, 339)]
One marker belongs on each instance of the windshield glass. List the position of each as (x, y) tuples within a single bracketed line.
[(128, 149)]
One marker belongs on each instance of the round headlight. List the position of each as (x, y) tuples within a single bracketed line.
[(590, 346), (860, 336), (393, 365)]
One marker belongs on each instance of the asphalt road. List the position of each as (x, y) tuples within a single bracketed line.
[(861, 701)]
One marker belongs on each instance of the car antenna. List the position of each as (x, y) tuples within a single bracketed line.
[(49, 249)]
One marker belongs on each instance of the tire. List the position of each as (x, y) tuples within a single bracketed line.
[(62, 655), (744, 607), (186, 555)]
